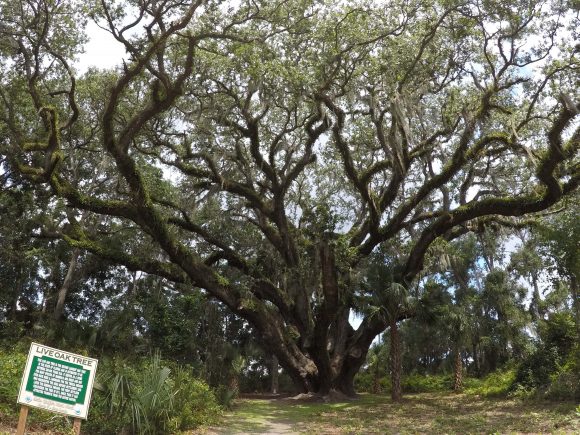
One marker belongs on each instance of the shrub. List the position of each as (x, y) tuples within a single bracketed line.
[(497, 383), (110, 410), (553, 370), (411, 383), (363, 382), (11, 368), (427, 383), (10, 332), (559, 331), (565, 383), (536, 370), (152, 404), (194, 403), (144, 397), (147, 397)]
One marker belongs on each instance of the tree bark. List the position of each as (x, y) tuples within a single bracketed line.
[(234, 384), (351, 366), (346, 352), (458, 371), (66, 285), (396, 362), (274, 374)]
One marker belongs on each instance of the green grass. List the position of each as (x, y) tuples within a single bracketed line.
[(417, 413)]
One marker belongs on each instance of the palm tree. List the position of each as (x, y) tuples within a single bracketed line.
[(459, 325), (392, 301)]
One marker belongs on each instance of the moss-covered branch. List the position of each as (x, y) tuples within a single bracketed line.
[(551, 190)]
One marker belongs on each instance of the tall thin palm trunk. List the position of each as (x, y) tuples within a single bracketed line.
[(458, 371), (274, 374), (396, 362)]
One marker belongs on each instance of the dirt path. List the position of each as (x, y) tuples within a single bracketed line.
[(8, 430), (268, 428), (264, 420)]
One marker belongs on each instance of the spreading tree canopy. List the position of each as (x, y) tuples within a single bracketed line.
[(263, 150)]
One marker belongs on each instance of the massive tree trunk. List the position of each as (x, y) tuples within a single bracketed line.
[(396, 361), (321, 366), (313, 339)]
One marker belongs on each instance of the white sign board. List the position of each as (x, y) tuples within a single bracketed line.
[(57, 381)]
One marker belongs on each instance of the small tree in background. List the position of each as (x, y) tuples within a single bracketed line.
[(390, 301)]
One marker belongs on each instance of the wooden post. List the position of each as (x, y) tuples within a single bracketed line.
[(77, 426), (22, 420)]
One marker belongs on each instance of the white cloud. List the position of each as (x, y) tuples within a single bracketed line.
[(102, 50)]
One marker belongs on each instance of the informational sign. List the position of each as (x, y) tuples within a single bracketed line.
[(57, 381)]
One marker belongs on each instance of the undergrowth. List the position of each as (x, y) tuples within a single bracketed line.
[(495, 384), (144, 396)]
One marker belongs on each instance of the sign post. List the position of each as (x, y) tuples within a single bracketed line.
[(22, 420), (77, 426), (57, 381)]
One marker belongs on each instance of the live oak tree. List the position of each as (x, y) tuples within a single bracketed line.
[(261, 151)]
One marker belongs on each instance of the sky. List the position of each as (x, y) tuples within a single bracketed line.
[(102, 50)]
